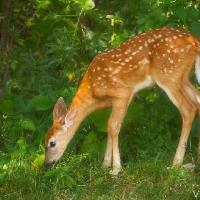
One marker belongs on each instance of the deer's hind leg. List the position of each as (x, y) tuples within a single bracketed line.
[(194, 94), (187, 109)]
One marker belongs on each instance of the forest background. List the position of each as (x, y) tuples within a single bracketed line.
[(45, 47)]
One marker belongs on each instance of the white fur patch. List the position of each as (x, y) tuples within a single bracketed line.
[(198, 99), (197, 68), (147, 82)]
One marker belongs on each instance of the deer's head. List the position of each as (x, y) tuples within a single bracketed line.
[(58, 135)]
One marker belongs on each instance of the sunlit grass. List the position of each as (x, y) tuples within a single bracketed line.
[(80, 177)]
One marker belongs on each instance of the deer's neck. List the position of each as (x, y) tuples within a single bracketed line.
[(84, 103), (83, 109)]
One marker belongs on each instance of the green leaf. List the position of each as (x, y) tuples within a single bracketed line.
[(92, 145), (40, 103), (89, 4), (42, 4), (6, 106), (39, 161), (89, 141), (181, 13), (2, 177), (14, 64), (135, 114), (195, 28), (86, 4), (192, 13), (27, 124), (100, 119), (141, 20)]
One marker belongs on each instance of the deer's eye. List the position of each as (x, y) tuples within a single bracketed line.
[(52, 144)]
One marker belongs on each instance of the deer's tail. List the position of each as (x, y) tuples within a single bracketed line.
[(189, 89)]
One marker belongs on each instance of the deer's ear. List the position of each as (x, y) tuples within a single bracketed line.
[(70, 117), (59, 109)]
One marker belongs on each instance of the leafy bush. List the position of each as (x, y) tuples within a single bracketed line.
[(52, 43)]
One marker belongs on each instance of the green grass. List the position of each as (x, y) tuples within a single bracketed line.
[(81, 177), (148, 142)]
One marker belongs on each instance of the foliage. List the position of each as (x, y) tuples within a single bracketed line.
[(52, 43)]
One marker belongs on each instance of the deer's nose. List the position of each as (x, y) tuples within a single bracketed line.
[(48, 165)]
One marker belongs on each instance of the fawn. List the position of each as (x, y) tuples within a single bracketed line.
[(164, 57)]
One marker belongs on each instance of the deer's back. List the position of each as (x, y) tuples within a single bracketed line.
[(135, 60)]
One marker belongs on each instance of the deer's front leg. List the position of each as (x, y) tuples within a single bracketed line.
[(119, 109), (107, 162)]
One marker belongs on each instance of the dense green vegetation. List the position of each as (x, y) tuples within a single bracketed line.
[(45, 48)]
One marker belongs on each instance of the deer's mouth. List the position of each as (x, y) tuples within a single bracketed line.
[(49, 165)]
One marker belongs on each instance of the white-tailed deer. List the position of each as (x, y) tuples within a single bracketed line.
[(164, 57)]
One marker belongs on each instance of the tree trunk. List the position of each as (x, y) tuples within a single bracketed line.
[(6, 11)]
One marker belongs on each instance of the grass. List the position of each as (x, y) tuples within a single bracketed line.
[(147, 149), (81, 177)]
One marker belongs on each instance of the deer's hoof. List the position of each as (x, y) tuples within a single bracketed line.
[(115, 171), (106, 165), (189, 166)]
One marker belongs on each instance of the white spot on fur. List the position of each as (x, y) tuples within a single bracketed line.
[(116, 71), (140, 47), (175, 50), (134, 53), (144, 61), (127, 51), (114, 79)]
